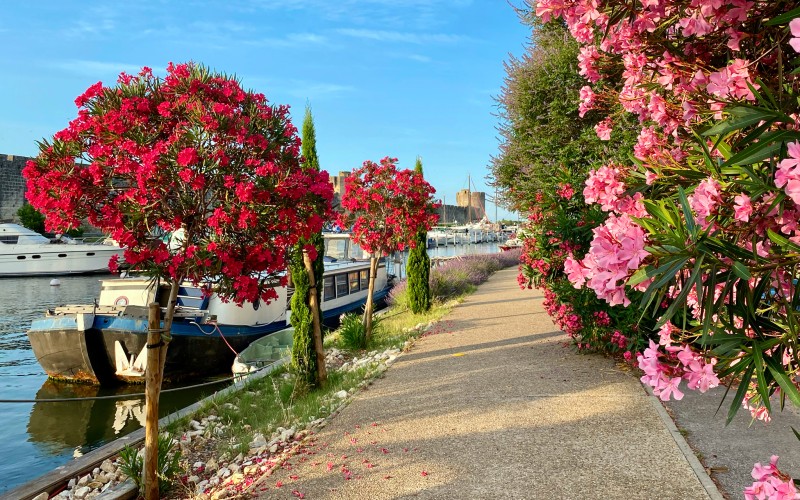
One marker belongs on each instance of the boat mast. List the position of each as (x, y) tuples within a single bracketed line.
[(469, 200)]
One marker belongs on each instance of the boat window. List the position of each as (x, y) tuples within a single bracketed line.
[(353, 282), (62, 255), (89, 254), (329, 288), (356, 252), (20, 257), (341, 285), (36, 256), (336, 248), (9, 239), (364, 279)]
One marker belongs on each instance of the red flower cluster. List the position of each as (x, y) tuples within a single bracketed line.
[(191, 154), (386, 207)]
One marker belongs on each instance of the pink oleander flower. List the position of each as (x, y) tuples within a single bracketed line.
[(665, 334), (587, 100), (770, 483), (615, 252), (788, 172), (587, 59), (565, 191), (705, 199), (604, 187), (603, 129), (701, 376), (743, 208), (576, 272), (732, 82), (794, 25)]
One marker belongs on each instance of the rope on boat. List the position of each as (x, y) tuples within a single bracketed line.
[(216, 328), (116, 396)]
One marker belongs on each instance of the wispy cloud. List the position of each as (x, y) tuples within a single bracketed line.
[(291, 40), (298, 88), (97, 21), (311, 90), (419, 58), (401, 37), (423, 14), (97, 68)]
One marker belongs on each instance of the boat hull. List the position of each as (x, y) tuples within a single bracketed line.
[(194, 351), (67, 352), (55, 260), (89, 356)]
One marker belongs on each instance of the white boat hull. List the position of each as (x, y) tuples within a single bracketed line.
[(45, 260)]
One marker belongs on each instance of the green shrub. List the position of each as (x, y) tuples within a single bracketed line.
[(352, 333), (131, 463)]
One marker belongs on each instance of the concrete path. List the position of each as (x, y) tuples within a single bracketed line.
[(494, 406)]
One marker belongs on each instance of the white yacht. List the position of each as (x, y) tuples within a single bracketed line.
[(24, 252)]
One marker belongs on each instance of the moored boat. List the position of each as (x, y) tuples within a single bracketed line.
[(24, 252), (104, 343)]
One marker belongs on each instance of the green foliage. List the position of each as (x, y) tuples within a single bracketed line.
[(131, 463), (540, 126), (353, 333), (31, 218), (419, 266), (546, 153), (304, 358)]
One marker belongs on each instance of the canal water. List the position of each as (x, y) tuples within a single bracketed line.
[(38, 437)]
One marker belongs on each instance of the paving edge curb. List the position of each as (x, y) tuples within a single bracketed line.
[(698, 469)]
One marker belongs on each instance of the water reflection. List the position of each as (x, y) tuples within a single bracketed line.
[(83, 424)]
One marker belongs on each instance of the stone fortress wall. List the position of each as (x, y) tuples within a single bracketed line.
[(12, 186)]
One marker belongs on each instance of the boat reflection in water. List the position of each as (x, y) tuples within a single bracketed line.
[(84, 425)]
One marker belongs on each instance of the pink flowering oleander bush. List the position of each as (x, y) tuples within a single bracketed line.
[(549, 146), (710, 194)]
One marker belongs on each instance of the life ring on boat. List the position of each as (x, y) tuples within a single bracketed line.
[(121, 301)]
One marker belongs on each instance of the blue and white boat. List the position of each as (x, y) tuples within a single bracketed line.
[(104, 343)]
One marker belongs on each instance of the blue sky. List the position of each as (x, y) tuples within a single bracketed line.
[(383, 77)]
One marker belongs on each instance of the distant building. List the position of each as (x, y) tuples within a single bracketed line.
[(338, 182), (12, 186), (475, 201)]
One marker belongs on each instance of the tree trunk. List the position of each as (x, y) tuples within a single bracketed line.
[(157, 343), (152, 389), (373, 271), (316, 315)]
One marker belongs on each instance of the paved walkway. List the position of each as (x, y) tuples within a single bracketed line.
[(495, 407)]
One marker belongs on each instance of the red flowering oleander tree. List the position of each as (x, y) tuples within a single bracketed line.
[(194, 155), (385, 208)]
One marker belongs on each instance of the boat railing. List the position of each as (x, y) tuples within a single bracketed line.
[(180, 311)]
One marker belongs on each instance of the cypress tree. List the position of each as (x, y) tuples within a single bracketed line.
[(304, 356), (419, 266)]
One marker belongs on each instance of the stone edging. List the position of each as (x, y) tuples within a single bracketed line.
[(698, 469)]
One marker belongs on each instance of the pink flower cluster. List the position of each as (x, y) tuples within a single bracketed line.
[(664, 371), (617, 250), (770, 483), (563, 314), (704, 200), (618, 339), (604, 186), (565, 191), (788, 173)]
